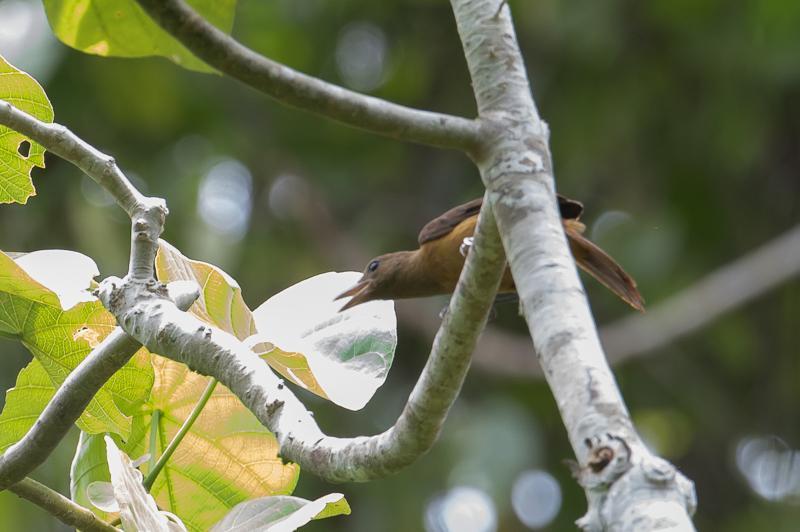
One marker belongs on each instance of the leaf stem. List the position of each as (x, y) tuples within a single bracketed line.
[(156, 469), (154, 421)]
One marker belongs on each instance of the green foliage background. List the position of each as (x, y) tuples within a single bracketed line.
[(681, 114)]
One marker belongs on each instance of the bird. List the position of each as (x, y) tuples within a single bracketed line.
[(434, 268)]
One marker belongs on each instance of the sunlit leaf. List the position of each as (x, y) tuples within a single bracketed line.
[(24, 402), (16, 159), (226, 458), (281, 514), (341, 356), (349, 353), (120, 28), (60, 339), (220, 303)]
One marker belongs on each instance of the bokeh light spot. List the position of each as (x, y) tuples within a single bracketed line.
[(462, 509), (771, 468), (361, 56), (225, 198), (536, 498)]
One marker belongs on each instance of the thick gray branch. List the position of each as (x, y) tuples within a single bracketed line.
[(627, 487), (65, 408), (158, 325), (305, 92), (60, 507)]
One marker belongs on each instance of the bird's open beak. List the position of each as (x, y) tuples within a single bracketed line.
[(359, 293)]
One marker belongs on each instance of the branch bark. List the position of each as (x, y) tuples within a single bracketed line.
[(627, 487), (299, 90)]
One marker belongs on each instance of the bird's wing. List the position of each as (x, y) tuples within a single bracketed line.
[(441, 226)]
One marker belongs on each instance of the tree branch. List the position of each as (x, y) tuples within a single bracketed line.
[(147, 217), (144, 310), (627, 487), (66, 406), (305, 92), (160, 327), (60, 507), (147, 214)]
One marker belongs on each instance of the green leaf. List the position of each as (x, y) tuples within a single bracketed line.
[(24, 402), (23, 92), (348, 353), (120, 28), (60, 338), (226, 458), (89, 466), (282, 513)]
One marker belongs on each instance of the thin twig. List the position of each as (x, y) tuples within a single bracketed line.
[(296, 89), (60, 507)]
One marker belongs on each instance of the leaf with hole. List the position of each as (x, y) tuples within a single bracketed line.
[(18, 154)]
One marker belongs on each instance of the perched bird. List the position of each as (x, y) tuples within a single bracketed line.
[(434, 268)]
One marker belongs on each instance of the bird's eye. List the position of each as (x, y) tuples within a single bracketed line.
[(373, 266)]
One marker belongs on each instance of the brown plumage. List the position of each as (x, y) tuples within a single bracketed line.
[(434, 268)]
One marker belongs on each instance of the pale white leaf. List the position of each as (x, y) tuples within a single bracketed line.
[(67, 273), (350, 352)]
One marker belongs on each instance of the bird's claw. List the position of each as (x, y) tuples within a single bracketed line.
[(465, 246)]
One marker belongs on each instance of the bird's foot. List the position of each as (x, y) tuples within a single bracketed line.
[(465, 246)]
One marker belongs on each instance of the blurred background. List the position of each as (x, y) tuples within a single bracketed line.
[(676, 122)]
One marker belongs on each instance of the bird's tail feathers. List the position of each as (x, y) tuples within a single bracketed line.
[(602, 267)]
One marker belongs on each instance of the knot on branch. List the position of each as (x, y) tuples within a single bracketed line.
[(609, 457), (148, 219), (126, 298)]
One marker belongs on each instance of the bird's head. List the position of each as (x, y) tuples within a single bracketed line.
[(382, 279)]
